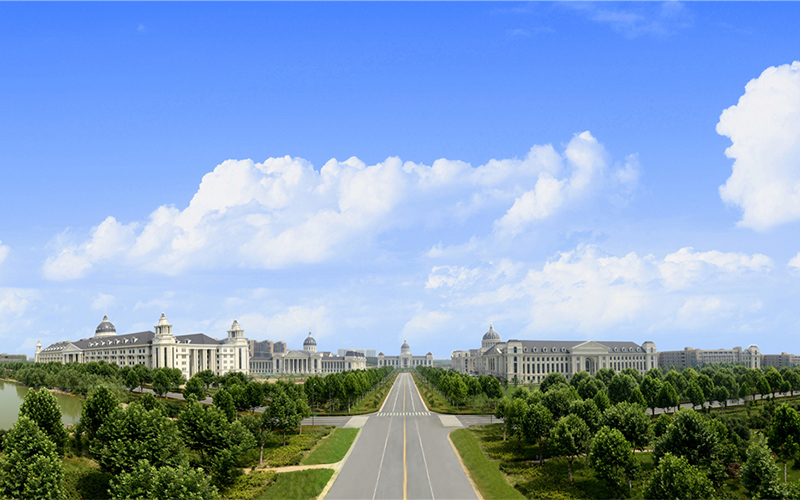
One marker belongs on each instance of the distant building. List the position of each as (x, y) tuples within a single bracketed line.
[(780, 360), (262, 347), (305, 362), (533, 360), (405, 359), (13, 358), (189, 353), (690, 357), (370, 353)]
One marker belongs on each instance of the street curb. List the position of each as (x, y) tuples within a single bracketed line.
[(464, 467), (338, 466)]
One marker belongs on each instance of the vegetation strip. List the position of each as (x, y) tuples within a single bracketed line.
[(300, 485), (333, 448), (484, 472)]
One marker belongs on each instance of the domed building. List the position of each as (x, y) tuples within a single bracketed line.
[(530, 361), (405, 359), (160, 348), (306, 362)]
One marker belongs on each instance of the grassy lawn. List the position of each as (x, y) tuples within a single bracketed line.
[(333, 448), (250, 486), (484, 472), (83, 479), (300, 485), (277, 455)]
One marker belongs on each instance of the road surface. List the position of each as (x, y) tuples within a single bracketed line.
[(403, 453)]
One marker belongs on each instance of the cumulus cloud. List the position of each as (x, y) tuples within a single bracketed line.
[(283, 211), (4, 251), (587, 290), (426, 323), (101, 301), (795, 262), (764, 129)]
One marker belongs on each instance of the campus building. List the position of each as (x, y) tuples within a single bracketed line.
[(155, 349), (690, 357), (306, 362), (780, 360), (530, 361), (405, 359)]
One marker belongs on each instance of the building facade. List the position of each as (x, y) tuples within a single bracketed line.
[(405, 359), (160, 348), (780, 360), (690, 357), (530, 361), (306, 362), (370, 353)]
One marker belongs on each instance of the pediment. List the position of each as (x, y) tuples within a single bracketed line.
[(71, 349), (590, 347)]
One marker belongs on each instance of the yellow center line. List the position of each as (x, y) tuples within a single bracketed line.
[(405, 466)]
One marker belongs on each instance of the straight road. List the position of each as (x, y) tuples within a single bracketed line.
[(402, 453)]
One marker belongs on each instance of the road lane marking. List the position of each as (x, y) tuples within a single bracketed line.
[(405, 465), (380, 467), (425, 461)]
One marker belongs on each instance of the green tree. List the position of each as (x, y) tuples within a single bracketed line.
[(253, 396), (589, 387), (161, 383), (224, 401), (537, 425), (721, 395), (621, 388), (42, 407), (134, 434), (30, 466), (169, 483), (551, 380), (558, 400), (762, 386), (194, 387), (514, 417), (601, 400), (695, 394), (784, 434), (637, 398), (676, 478), (260, 427), (632, 421), (132, 380), (99, 406), (458, 391), (588, 411), (612, 459), (706, 385), (688, 436), (207, 377), (774, 379), (667, 396), (569, 438), (605, 375), (149, 402), (283, 414), (760, 473)]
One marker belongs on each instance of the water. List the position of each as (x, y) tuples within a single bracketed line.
[(12, 395)]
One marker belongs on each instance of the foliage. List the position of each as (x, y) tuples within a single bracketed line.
[(134, 434), (760, 473), (99, 406), (282, 414), (612, 459), (161, 383), (784, 434), (169, 483), (194, 387), (42, 407), (30, 466), (537, 425), (688, 436), (632, 421), (570, 437), (621, 388), (250, 486), (224, 402), (676, 478)]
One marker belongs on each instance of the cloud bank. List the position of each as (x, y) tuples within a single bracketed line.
[(764, 128), (284, 212)]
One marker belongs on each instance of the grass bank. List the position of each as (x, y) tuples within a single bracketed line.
[(299, 485), (333, 448), (484, 472)]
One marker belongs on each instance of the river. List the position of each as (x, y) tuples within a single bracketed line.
[(12, 395)]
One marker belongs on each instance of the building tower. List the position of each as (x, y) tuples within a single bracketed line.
[(490, 338), (404, 349), (105, 329), (310, 345)]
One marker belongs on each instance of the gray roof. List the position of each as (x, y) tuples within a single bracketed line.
[(105, 326), (562, 346), (196, 338), (129, 339)]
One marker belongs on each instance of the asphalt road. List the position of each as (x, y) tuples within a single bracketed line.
[(403, 453)]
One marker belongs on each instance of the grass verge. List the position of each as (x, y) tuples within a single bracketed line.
[(484, 472), (333, 448), (299, 485)]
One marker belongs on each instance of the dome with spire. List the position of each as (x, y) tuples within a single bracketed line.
[(491, 334), (105, 329), (309, 340), (405, 349)]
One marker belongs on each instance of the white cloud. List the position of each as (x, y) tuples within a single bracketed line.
[(284, 212), (4, 251), (635, 20), (589, 291), (101, 301), (764, 128), (424, 324), (795, 261), (585, 161)]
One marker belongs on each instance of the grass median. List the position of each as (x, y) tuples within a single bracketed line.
[(299, 485), (484, 472), (333, 448)]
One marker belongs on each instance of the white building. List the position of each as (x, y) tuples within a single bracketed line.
[(189, 353), (532, 360), (307, 362), (405, 359)]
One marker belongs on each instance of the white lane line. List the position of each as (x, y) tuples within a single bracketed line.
[(380, 467), (411, 394), (425, 461)]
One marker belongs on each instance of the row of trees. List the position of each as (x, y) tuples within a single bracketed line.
[(694, 452), (458, 388)]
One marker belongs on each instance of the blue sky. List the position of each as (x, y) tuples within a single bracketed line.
[(375, 171)]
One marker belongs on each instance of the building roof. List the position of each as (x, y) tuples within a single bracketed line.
[(491, 334), (309, 340), (566, 346), (105, 327)]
